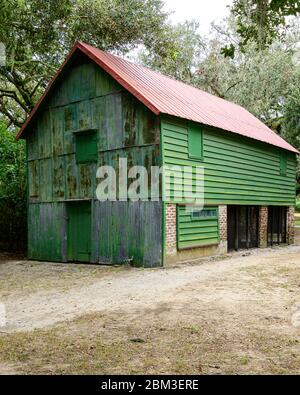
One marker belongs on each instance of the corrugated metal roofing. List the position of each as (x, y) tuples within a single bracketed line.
[(164, 95)]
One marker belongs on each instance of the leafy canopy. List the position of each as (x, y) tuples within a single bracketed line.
[(260, 21), (38, 34), (12, 166), (12, 191)]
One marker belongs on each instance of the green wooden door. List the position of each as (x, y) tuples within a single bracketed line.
[(79, 231)]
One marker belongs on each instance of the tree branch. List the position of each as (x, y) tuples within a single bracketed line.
[(14, 96), (36, 87), (232, 86), (4, 111)]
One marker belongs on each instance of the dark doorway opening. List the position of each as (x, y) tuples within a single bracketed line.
[(277, 225), (242, 227)]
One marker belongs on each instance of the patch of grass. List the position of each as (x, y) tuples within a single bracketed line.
[(195, 329), (28, 276), (86, 346), (244, 360)]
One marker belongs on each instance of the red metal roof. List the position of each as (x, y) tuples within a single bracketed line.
[(164, 95)]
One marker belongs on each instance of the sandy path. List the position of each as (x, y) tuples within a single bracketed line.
[(147, 289)]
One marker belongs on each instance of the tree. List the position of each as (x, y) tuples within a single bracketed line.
[(292, 116), (38, 34), (12, 191), (258, 81), (291, 121), (260, 21), (176, 51)]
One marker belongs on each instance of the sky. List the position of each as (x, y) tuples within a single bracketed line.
[(204, 11)]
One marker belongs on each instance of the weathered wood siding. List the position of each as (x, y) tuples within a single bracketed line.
[(237, 170), (128, 232), (88, 98), (47, 231)]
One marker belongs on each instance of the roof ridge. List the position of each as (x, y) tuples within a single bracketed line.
[(172, 78), (164, 94)]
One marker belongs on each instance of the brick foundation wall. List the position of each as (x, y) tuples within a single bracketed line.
[(171, 229), (223, 227), (223, 223), (291, 225), (263, 227), (172, 255)]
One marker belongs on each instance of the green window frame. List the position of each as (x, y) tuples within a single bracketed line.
[(86, 146), (195, 142), (204, 213), (283, 163)]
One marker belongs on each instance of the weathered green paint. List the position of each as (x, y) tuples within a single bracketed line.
[(46, 231), (86, 147), (163, 216), (129, 232), (196, 232), (237, 170), (79, 231), (88, 100)]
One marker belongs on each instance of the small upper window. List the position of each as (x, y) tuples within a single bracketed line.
[(195, 142), (283, 164), (205, 213), (86, 146)]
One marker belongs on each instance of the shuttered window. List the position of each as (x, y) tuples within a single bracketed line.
[(197, 227), (283, 163), (86, 146), (195, 142)]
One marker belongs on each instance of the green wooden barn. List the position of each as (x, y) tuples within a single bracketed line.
[(100, 108)]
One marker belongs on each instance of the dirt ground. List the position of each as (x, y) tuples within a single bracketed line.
[(297, 235), (239, 314)]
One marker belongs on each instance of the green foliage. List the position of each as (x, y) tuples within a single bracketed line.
[(298, 206), (265, 82), (260, 21), (175, 52), (291, 122), (12, 165), (12, 191), (38, 34), (228, 51), (260, 81)]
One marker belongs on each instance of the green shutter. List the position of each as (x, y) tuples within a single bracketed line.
[(86, 147), (195, 142), (283, 163), (197, 226)]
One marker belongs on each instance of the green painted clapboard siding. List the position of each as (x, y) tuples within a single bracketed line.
[(195, 232), (237, 170)]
